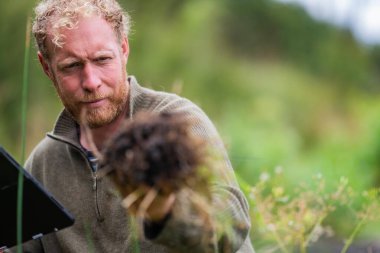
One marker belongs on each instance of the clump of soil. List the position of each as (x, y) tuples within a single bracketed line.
[(156, 151)]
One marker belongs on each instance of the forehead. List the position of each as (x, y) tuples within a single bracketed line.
[(89, 34)]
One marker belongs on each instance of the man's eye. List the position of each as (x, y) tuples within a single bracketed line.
[(72, 65), (103, 59)]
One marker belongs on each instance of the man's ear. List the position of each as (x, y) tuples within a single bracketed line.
[(125, 48), (45, 66)]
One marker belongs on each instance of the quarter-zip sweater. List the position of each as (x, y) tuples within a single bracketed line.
[(101, 223)]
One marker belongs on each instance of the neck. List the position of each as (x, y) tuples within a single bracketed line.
[(94, 139)]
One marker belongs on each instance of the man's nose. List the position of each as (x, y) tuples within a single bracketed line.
[(90, 78)]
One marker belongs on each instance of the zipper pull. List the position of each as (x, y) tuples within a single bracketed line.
[(95, 179)]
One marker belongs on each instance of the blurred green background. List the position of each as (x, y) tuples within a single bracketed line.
[(282, 89)]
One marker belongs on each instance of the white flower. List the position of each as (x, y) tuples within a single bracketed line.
[(278, 169), (271, 227), (264, 176)]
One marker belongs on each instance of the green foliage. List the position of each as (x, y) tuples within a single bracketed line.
[(270, 30)]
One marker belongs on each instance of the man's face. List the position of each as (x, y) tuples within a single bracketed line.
[(88, 71)]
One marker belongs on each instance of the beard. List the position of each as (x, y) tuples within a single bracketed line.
[(116, 102)]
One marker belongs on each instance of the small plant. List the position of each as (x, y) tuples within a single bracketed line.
[(290, 221), (368, 212)]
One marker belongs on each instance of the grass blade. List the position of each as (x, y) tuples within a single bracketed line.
[(20, 184)]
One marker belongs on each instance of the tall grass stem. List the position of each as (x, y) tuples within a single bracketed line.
[(350, 240), (20, 185)]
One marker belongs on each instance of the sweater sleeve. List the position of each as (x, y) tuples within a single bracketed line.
[(32, 246), (186, 230)]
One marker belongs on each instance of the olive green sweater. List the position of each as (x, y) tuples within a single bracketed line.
[(101, 224)]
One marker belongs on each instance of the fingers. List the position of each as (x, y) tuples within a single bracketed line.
[(149, 204), (131, 199), (146, 202)]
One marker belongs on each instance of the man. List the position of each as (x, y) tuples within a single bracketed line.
[(83, 49)]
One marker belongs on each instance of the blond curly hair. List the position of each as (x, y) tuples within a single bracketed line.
[(51, 15)]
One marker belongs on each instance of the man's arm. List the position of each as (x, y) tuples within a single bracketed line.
[(186, 229), (227, 227)]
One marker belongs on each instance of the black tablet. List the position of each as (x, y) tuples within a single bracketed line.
[(41, 213)]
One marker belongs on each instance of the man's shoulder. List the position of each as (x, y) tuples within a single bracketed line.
[(145, 99), (40, 151), (148, 99), (46, 144), (172, 103)]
